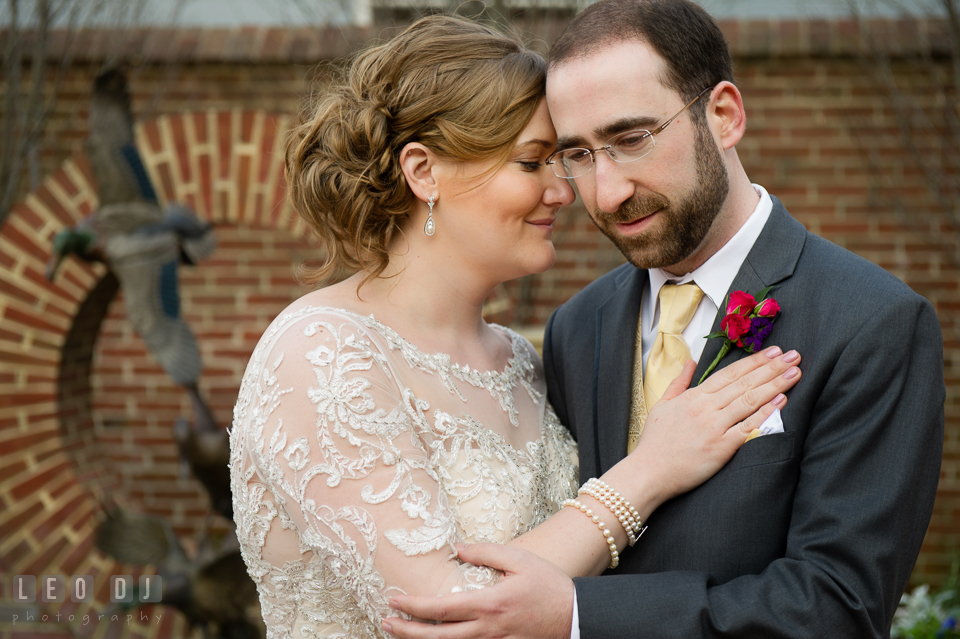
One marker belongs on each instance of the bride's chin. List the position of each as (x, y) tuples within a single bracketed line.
[(549, 258), (536, 264)]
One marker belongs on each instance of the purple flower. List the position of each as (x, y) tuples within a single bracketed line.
[(949, 624), (760, 327)]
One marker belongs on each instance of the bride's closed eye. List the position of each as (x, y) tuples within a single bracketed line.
[(530, 165)]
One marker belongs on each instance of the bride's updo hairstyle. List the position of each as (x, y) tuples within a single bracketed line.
[(459, 88)]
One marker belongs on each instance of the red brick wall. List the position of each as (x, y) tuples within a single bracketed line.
[(83, 420), (822, 135)]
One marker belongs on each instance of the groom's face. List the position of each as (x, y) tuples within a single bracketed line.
[(659, 210)]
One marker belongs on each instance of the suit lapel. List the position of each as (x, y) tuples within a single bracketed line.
[(771, 260), (613, 367)]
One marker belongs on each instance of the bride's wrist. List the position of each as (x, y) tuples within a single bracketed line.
[(638, 484)]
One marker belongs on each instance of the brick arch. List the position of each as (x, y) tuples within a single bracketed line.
[(227, 165)]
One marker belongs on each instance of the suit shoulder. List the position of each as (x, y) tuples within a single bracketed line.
[(584, 304), (847, 273)]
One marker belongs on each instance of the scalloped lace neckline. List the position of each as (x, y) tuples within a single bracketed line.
[(432, 360)]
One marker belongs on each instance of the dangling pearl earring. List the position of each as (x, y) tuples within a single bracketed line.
[(430, 228)]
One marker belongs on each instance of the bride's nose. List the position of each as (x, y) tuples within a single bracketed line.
[(559, 192)]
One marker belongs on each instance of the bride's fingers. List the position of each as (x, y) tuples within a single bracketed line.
[(756, 399), (757, 373), (724, 377), (681, 383), (738, 435)]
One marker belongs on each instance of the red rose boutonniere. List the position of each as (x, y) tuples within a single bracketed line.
[(746, 324)]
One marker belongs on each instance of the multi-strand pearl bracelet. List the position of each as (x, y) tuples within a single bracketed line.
[(625, 513), (607, 535)]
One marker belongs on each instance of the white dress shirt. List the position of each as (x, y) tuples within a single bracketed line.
[(714, 277)]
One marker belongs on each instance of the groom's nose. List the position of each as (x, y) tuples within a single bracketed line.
[(611, 182)]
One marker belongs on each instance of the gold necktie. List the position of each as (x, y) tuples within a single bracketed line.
[(668, 355)]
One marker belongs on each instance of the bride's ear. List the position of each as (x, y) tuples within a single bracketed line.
[(419, 166)]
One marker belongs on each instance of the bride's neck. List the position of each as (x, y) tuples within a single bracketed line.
[(430, 298)]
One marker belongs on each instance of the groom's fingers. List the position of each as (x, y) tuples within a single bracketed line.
[(506, 559), (403, 629), (534, 598), (465, 606), (451, 607)]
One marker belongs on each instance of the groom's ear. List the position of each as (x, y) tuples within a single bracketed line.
[(725, 114), (419, 165)]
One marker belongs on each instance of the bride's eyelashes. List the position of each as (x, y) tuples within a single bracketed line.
[(529, 165)]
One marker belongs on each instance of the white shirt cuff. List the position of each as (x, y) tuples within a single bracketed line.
[(575, 621)]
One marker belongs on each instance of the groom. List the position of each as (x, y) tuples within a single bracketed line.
[(812, 532)]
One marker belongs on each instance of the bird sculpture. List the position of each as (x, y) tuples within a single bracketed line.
[(212, 589), (206, 453), (144, 246)]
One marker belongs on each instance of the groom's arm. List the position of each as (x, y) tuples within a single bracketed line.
[(868, 478), (553, 374)]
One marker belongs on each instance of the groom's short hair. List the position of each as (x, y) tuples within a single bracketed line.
[(681, 32)]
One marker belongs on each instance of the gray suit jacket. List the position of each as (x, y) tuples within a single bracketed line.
[(809, 533)]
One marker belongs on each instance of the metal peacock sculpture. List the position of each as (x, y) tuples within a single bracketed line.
[(211, 589), (144, 245)]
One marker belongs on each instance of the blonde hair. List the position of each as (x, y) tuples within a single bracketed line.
[(459, 88)]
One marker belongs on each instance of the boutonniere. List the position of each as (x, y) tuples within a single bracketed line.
[(746, 324)]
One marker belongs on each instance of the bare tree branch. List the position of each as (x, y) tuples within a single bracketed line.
[(12, 64), (29, 101), (930, 134)]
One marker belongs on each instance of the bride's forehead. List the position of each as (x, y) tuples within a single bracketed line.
[(540, 125)]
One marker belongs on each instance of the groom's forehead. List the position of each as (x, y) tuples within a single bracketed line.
[(590, 96), (630, 66)]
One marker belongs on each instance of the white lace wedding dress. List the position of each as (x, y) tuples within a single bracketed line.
[(357, 460)]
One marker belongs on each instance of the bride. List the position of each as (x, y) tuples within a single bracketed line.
[(380, 419)]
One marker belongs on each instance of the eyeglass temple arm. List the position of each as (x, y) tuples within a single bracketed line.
[(688, 105)]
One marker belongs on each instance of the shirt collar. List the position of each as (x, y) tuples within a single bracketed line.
[(715, 276)]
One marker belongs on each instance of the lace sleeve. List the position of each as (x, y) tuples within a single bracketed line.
[(338, 450)]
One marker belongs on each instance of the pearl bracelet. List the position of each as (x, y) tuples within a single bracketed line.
[(625, 513), (607, 535)]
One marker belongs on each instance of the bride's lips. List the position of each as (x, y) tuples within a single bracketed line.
[(544, 222), (637, 226)]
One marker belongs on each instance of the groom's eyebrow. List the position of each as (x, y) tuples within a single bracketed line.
[(570, 142), (606, 131), (624, 124)]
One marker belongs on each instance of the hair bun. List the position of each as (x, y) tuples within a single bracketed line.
[(455, 86)]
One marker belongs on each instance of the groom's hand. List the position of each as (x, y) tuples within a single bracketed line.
[(534, 598)]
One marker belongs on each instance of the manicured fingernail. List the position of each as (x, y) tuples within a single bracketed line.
[(773, 351), (779, 399), (790, 374), (460, 547), (791, 356), (386, 626), (394, 604)]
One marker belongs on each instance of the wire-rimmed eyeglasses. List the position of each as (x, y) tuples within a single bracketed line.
[(623, 147)]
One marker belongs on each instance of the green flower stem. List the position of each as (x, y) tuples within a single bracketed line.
[(723, 352)]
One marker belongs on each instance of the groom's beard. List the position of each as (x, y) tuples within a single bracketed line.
[(682, 226)]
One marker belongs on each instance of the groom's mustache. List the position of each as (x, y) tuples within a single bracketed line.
[(633, 209)]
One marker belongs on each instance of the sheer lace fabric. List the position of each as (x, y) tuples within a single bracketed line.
[(357, 461)]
